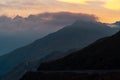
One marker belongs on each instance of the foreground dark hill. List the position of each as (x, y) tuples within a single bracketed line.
[(71, 76), (103, 54), (75, 36), (98, 61)]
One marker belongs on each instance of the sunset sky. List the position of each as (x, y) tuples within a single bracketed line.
[(106, 10)]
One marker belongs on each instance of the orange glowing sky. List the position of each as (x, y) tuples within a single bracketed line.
[(107, 10)]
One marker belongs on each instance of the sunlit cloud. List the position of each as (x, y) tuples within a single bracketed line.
[(112, 4), (109, 4), (75, 1)]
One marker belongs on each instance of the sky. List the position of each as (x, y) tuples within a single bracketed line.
[(107, 11)]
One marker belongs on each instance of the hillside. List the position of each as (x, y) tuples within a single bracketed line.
[(75, 36), (103, 54)]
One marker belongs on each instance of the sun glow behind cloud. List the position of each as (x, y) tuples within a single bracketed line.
[(112, 4)]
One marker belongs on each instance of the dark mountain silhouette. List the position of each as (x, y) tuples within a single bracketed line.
[(103, 54), (75, 36), (98, 61), (70, 76)]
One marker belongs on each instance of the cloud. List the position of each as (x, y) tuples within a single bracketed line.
[(112, 4), (24, 8), (19, 4), (41, 23), (74, 1), (27, 4), (108, 4)]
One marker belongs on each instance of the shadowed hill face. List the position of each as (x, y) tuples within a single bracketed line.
[(75, 36), (70, 76), (103, 54)]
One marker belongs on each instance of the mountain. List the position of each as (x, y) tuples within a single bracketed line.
[(71, 76), (75, 36), (104, 54), (98, 61), (20, 31)]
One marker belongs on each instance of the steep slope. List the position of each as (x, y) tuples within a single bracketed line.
[(103, 54), (75, 36)]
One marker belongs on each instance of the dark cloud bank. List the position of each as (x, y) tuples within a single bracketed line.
[(19, 31), (40, 23)]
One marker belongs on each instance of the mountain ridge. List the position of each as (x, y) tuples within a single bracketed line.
[(75, 36), (98, 61), (102, 54)]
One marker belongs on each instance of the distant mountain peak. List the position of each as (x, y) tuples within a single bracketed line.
[(17, 17)]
